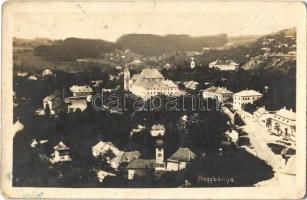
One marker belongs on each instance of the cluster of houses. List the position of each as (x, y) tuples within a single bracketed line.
[(57, 102), (34, 77), (130, 161), (281, 122)]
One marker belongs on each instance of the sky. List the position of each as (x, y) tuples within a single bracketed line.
[(110, 20)]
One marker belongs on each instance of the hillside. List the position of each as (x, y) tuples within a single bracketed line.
[(71, 49), (147, 44), (270, 45)]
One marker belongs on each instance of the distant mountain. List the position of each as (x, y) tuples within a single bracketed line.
[(71, 49), (239, 40), (21, 42), (148, 44)]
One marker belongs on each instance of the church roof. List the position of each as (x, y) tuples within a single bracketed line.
[(183, 154), (151, 73), (224, 62)]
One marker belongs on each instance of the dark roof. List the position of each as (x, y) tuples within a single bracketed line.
[(183, 154), (141, 164)]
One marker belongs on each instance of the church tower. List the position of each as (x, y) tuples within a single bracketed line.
[(160, 164), (126, 79), (192, 63)]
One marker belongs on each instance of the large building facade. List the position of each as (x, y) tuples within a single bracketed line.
[(219, 93), (284, 123), (245, 97), (150, 82), (225, 65)]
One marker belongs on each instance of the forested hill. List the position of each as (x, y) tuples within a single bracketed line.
[(148, 44), (71, 49)]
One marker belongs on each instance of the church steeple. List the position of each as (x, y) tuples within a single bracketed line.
[(126, 78)]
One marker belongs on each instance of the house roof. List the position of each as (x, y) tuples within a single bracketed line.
[(142, 164), (289, 114), (60, 146), (84, 88), (50, 97), (260, 111), (183, 154), (245, 93), (218, 90), (130, 156), (224, 62), (157, 127)]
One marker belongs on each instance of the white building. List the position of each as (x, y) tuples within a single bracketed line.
[(157, 130), (78, 91), (61, 153), (150, 82), (219, 93), (284, 123), (192, 85), (227, 65), (245, 97)]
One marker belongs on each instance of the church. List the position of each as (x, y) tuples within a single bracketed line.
[(150, 82)]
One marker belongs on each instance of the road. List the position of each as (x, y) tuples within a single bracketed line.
[(259, 138)]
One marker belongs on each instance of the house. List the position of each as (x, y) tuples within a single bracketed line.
[(54, 103), (157, 130), (150, 82), (143, 167), (245, 97), (102, 174), (47, 72), (219, 93), (180, 159), (262, 116), (78, 91), (101, 149), (232, 135), (192, 85), (97, 83), (33, 78), (22, 74), (283, 123), (140, 167), (119, 157), (76, 103), (137, 129), (61, 153), (227, 65)]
